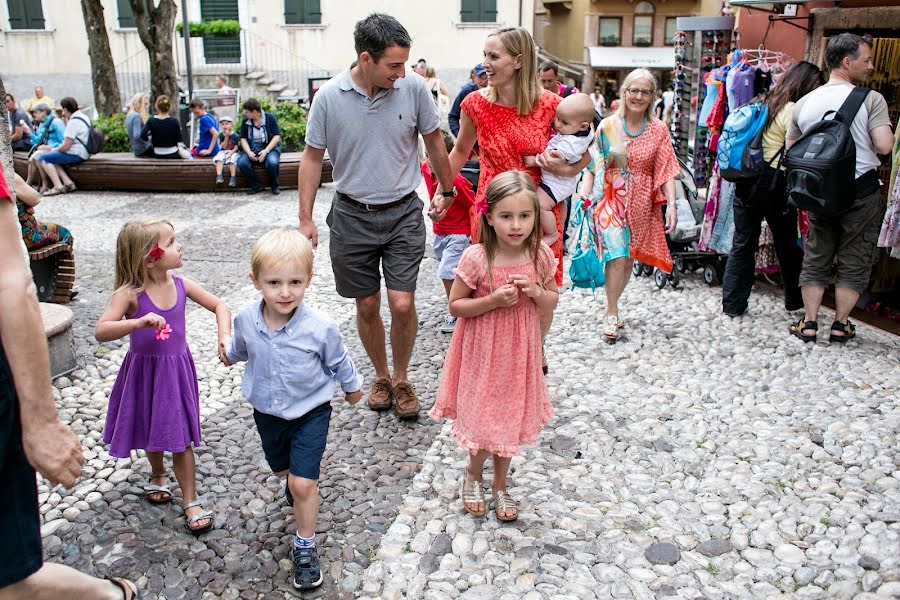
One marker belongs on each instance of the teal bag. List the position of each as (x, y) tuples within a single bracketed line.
[(585, 270)]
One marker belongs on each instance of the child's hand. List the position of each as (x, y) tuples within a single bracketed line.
[(151, 320), (353, 397), (436, 215), (524, 283), (224, 344), (505, 295)]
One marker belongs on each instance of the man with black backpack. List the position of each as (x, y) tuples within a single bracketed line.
[(75, 148), (833, 139)]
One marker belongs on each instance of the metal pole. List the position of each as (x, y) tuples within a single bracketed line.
[(186, 30)]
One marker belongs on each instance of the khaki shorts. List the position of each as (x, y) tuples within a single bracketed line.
[(843, 249), (364, 242)]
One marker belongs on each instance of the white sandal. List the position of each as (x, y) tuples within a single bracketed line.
[(611, 326)]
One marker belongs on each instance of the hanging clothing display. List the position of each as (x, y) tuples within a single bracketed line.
[(890, 229)]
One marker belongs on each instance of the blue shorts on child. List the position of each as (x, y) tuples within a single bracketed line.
[(447, 250), (295, 444)]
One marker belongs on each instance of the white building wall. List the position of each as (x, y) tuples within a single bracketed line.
[(57, 57)]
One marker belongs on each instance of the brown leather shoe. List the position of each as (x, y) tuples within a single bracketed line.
[(381, 394), (407, 403)]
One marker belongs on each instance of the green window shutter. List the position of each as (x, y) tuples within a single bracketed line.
[(17, 18), (126, 15), (488, 11), (216, 10), (312, 12), (469, 11), (292, 12)]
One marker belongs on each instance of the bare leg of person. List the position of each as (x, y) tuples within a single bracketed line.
[(501, 471), (185, 468), (475, 473), (50, 170), (404, 327), (371, 333), (547, 218), (617, 271)]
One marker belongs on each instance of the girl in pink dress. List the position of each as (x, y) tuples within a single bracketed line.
[(154, 404), (492, 385)]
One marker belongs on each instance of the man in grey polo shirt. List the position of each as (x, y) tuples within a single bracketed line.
[(369, 118)]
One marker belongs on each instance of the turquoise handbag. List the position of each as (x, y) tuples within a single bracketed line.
[(585, 271)]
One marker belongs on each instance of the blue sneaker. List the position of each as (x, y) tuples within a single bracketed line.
[(307, 574)]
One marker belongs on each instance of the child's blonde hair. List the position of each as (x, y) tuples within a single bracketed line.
[(503, 185), (136, 240), (280, 245)]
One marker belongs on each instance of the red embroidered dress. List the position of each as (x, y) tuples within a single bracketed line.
[(504, 139)]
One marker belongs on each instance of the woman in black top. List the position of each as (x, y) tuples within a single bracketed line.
[(163, 131)]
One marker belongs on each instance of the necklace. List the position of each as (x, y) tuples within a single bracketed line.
[(633, 135)]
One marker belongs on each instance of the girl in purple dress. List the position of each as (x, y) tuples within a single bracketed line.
[(154, 404)]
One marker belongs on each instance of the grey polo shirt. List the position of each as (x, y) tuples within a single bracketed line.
[(372, 143)]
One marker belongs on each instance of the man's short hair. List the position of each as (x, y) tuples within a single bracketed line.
[(251, 104), (843, 45), (197, 103), (378, 32), (279, 246), (549, 65), (69, 103), (8, 97)]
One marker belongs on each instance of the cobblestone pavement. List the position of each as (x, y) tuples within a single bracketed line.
[(701, 457)]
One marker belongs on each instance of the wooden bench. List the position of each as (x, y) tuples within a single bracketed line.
[(126, 172), (53, 270)]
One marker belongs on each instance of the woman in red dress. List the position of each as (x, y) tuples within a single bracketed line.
[(510, 119)]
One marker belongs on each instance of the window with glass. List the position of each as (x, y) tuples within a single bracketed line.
[(25, 14), (671, 30), (610, 32), (643, 30)]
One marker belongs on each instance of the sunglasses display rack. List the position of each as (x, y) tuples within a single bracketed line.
[(701, 45)]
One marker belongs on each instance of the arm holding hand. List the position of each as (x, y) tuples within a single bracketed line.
[(309, 175), (112, 325), (216, 305)]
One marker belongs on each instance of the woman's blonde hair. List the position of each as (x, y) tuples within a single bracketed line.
[(636, 75), (430, 72), (518, 42), (502, 186), (140, 103), (136, 240)]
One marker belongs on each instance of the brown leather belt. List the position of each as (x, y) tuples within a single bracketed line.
[(376, 207)]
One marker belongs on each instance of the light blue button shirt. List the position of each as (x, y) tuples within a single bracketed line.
[(292, 370)]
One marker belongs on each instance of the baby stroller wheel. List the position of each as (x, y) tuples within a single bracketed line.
[(660, 278), (679, 263), (636, 269), (675, 279), (648, 270), (710, 275)]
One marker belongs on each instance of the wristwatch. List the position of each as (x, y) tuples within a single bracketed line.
[(451, 193)]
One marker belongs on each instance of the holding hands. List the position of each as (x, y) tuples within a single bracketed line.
[(353, 397)]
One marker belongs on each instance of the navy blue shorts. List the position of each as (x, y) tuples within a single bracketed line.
[(20, 552), (297, 444)]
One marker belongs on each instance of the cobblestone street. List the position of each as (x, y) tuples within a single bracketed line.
[(700, 457)]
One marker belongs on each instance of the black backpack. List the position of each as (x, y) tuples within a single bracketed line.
[(821, 165), (96, 138)]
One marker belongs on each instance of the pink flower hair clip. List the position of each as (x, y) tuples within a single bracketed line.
[(163, 333), (482, 206), (156, 253)]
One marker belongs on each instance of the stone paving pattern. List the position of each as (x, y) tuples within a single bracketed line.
[(701, 457)]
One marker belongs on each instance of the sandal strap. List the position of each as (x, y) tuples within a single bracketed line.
[(192, 504), (130, 591), (802, 324), (838, 326), (154, 475), (152, 488), (475, 493), (200, 517), (504, 501)]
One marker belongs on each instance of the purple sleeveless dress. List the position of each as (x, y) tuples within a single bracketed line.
[(155, 403)]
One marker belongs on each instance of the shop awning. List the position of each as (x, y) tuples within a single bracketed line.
[(632, 58)]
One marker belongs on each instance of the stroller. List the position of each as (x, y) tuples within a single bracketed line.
[(682, 242)]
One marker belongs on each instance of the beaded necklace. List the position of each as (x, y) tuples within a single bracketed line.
[(633, 135)]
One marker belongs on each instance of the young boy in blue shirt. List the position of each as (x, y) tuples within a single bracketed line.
[(294, 353)]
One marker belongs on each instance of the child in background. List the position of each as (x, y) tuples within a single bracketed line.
[(574, 133), (230, 145), (451, 232), (492, 386), (155, 403), (294, 353)]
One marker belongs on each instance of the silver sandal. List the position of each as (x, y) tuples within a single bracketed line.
[(501, 501), (152, 488), (202, 515), (475, 495), (611, 326)]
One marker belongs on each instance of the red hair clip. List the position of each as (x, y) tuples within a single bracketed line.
[(156, 253)]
